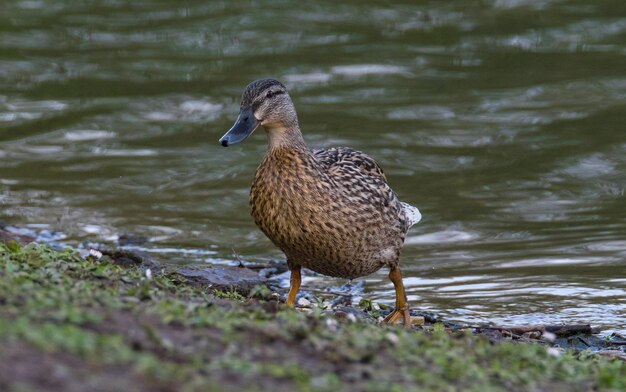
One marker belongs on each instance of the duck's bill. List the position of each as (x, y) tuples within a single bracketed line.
[(244, 126)]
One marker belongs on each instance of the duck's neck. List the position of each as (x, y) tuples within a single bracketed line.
[(282, 136)]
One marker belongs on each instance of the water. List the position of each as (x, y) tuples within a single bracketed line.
[(503, 121)]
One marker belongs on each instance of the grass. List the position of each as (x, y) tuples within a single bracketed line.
[(93, 325)]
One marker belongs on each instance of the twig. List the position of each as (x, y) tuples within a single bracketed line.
[(559, 329), (584, 341), (569, 329), (241, 265)]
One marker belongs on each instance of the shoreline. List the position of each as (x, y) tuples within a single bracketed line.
[(244, 277), (119, 320)]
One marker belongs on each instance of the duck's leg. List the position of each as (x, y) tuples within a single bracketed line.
[(402, 307), (294, 285)]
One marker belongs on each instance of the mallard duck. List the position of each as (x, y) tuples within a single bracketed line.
[(330, 211)]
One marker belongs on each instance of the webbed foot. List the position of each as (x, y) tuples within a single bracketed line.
[(397, 314)]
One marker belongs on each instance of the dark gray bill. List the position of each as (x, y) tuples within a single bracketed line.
[(244, 126)]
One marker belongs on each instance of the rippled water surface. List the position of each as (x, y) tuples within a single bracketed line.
[(503, 121)]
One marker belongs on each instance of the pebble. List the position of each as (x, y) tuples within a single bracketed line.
[(553, 351), (392, 338), (304, 302), (548, 336), (418, 321)]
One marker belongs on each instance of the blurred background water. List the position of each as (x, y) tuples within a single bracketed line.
[(503, 121)]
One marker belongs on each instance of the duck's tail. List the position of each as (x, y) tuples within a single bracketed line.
[(412, 214)]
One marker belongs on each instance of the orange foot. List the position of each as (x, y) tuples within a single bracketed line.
[(395, 316)]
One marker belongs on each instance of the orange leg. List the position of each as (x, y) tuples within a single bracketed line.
[(294, 286), (402, 307)]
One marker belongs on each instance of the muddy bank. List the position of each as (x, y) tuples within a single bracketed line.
[(120, 320), (262, 281)]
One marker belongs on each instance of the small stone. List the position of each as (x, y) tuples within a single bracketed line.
[(548, 336), (345, 316), (418, 321), (95, 253), (553, 351), (223, 277), (392, 338), (304, 302), (331, 324)]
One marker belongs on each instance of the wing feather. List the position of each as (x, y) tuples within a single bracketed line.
[(341, 159)]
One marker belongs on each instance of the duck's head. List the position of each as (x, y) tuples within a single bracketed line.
[(265, 102)]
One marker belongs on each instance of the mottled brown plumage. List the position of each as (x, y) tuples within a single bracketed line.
[(332, 210)]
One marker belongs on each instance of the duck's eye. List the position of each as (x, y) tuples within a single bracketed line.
[(269, 94)]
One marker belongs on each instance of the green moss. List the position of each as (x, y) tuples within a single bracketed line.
[(260, 292), (171, 334), (230, 294)]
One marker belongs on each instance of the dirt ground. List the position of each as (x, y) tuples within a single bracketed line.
[(69, 323)]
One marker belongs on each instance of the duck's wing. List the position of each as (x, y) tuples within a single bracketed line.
[(365, 178), (340, 161)]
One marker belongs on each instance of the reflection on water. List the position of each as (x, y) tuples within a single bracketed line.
[(503, 121)]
